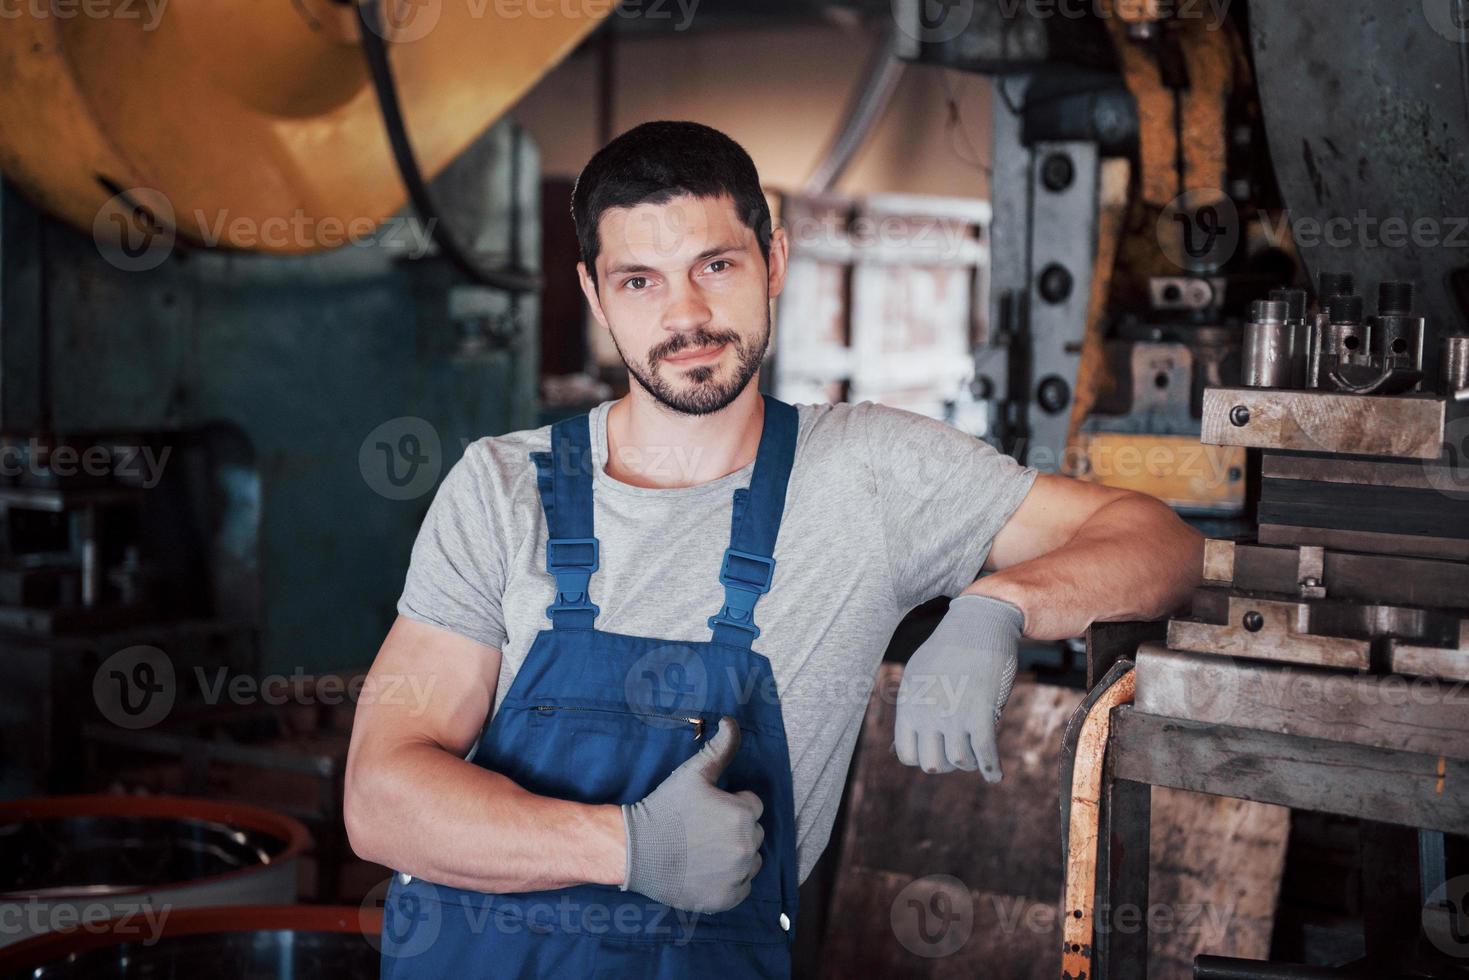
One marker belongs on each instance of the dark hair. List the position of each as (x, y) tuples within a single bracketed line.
[(658, 161)]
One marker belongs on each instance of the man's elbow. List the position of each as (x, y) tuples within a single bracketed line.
[(1179, 549), (359, 812)]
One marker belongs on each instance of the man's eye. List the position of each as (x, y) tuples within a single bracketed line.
[(719, 262), (636, 282)]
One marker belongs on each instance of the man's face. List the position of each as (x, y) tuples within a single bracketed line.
[(686, 295)]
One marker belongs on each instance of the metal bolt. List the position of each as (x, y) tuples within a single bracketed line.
[(1335, 284), (1239, 416), (1253, 621), (1394, 298), (1055, 283), (1057, 172), (1053, 393)]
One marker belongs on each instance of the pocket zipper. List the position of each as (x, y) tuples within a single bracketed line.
[(694, 721)]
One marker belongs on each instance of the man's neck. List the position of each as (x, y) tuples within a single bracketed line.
[(650, 445)]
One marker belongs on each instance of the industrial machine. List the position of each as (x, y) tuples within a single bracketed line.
[(75, 859), (1322, 663), (1165, 187), (233, 365), (310, 942)]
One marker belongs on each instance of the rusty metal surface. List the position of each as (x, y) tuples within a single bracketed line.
[(1219, 561), (1420, 715), (1365, 106), (1416, 475), (1341, 574), (1451, 662), (1284, 641), (1194, 116), (1410, 427), (1366, 541), (1332, 616), (1417, 790)]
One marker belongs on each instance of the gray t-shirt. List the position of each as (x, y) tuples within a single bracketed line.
[(885, 510)]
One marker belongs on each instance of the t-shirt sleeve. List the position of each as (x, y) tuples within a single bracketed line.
[(942, 496), (456, 577)]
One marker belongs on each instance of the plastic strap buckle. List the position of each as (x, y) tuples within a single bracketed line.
[(743, 587), (572, 561)]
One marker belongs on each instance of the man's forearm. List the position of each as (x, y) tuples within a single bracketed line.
[(1133, 559), (420, 809)]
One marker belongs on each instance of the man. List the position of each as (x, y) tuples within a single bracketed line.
[(671, 610)]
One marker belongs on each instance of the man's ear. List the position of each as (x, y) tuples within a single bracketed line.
[(589, 290), (779, 252)]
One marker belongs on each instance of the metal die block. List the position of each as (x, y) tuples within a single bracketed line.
[(1311, 421)]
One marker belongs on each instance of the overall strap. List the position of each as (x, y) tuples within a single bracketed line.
[(564, 479), (748, 567)]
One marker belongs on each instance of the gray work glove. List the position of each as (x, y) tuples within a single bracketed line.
[(955, 686), (690, 844)]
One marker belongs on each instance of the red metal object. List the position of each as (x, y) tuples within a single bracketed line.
[(37, 951), (277, 825)]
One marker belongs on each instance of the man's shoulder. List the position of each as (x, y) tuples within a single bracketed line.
[(501, 465), (845, 422), (514, 447)]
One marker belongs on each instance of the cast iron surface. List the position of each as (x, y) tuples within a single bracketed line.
[(1366, 106)]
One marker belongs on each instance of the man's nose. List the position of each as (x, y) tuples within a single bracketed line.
[(686, 308)]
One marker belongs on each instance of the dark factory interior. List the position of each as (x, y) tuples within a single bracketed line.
[(752, 488)]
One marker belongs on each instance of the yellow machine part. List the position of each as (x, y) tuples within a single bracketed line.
[(221, 115), (1178, 470)]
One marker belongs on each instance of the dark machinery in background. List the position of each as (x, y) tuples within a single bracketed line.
[(1150, 263), (1336, 633), (1113, 130), (232, 368), (301, 409), (1147, 190)]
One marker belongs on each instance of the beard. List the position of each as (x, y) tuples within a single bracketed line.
[(699, 391)]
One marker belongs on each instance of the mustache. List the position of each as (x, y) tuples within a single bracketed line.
[(692, 342)]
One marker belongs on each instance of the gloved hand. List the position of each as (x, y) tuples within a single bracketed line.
[(690, 844), (955, 686)]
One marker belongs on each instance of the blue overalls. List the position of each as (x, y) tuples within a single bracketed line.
[(603, 717)]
